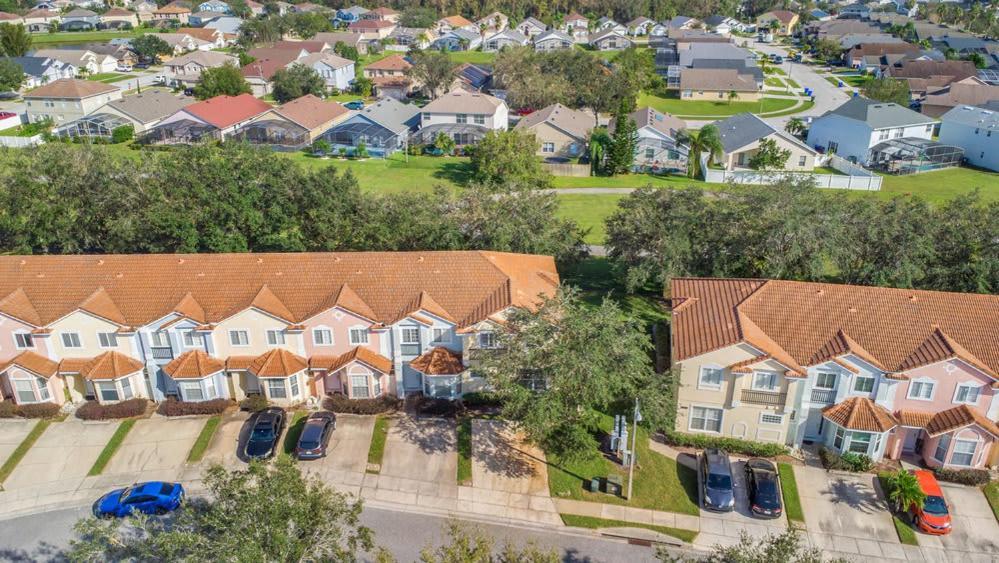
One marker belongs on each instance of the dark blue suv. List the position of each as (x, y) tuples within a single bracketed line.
[(153, 497)]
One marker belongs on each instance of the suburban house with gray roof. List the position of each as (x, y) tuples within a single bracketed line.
[(854, 128), (465, 116), (658, 149), (42, 70), (141, 111), (186, 69), (505, 38), (382, 127), (553, 40), (976, 130), (741, 135), (609, 40), (531, 27), (68, 99), (560, 131)]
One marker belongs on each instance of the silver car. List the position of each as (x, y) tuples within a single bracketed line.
[(716, 481)]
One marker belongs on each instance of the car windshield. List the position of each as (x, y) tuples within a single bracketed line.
[(128, 494), (935, 505), (262, 433), (166, 488), (719, 481)]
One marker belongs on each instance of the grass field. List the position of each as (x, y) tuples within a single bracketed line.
[(112, 446), (660, 483), (395, 174), (377, 448), (941, 185), (68, 37), (464, 432), (700, 108), (204, 438), (22, 449), (108, 77), (474, 57), (789, 490), (589, 212), (295, 427), (595, 523)]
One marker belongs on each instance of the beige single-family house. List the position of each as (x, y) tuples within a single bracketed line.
[(561, 132), (68, 99), (741, 136), (187, 68)]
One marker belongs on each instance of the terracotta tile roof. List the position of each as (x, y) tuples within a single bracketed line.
[(268, 61), (35, 363), (366, 25), (438, 361), (110, 365), (168, 9), (745, 366), (390, 81), (239, 362), (380, 286), (959, 417), (118, 12), (71, 88), (914, 419), (784, 16), (394, 62), (371, 359), (860, 413), (226, 111), (893, 329), (383, 11), (424, 302), (311, 112), (574, 16), (456, 21), (100, 303), (202, 33), (194, 364), (73, 365), (277, 363), (309, 46), (463, 101)]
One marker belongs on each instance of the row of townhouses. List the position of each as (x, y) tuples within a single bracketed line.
[(889, 373), (290, 327)]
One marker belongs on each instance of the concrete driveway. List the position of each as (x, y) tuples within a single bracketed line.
[(12, 433), (156, 443), (421, 449), (503, 461), (347, 453), (975, 532), (845, 514), (65, 452), (724, 527), (229, 440)]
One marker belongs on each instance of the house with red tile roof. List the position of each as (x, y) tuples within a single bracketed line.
[(786, 21), (887, 373), (289, 327), (217, 118), (267, 61), (295, 124)]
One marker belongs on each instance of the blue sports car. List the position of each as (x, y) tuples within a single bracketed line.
[(154, 497)]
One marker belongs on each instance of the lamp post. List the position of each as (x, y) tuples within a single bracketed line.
[(634, 436)]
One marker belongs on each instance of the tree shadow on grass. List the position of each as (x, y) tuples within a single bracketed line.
[(430, 435), (457, 172)]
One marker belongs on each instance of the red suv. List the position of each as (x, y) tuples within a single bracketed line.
[(933, 517)]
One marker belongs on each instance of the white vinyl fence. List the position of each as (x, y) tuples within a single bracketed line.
[(20, 142), (854, 178)]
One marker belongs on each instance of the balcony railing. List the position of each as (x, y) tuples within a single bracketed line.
[(409, 349), (164, 353), (824, 396), (767, 398)]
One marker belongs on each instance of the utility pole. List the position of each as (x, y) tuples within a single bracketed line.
[(634, 435)]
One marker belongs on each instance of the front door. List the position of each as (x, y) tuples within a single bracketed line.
[(911, 436), (412, 380), (813, 427)]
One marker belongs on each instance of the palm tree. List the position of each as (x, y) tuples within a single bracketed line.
[(707, 140), (796, 126), (904, 490), (732, 95)]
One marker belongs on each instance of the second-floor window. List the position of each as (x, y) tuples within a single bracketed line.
[(922, 390), (547, 147), (825, 381), (479, 119), (410, 336), (107, 339), (239, 338), (863, 384), (71, 340), (275, 338), (159, 340), (442, 335), (765, 381), (487, 340), (967, 394), (360, 336), (710, 378), (461, 118), (23, 340), (191, 339), (322, 337)]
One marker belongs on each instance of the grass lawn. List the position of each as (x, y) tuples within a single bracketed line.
[(377, 448), (589, 212), (465, 451), (699, 108), (773, 81), (792, 83), (660, 482), (204, 438), (107, 77), (594, 523), (906, 534), (295, 428), (991, 494), (776, 70), (805, 106), (112, 446), (15, 131), (22, 449), (394, 174), (66, 37), (597, 279), (474, 57), (789, 490), (941, 185)]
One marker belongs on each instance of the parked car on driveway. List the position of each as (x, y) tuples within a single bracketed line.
[(153, 497), (934, 516), (763, 488), (315, 435), (716, 481), (265, 434)]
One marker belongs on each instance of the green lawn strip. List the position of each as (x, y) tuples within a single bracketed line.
[(295, 427), (789, 489), (465, 451), (22, 449), (112, 446), (660, 483), (774, 81), (377, 448), (106, 77), (68, 37), (474, 57), (906, 534), (776, 70), (711, 108), (805, 106), (792, 83), (589, 212), (398, 173), (992, 495), (204, 438), (594, 523)]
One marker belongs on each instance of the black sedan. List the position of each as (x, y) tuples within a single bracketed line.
[(265, 434), (315, 435), (763, 488)]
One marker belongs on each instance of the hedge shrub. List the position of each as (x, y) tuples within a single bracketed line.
[(971, 477), (254, 403), (850, 461), (481, 399), (340, 403), (92, 410), (38, 410), (8, 409), (730, 445), (173, 407), (429, 406)]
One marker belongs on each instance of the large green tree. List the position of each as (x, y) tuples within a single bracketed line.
[(225, 80), (509, 157), (467, 544), (769, 156), (887, 89), (296, 81), (786, 547), (966, 253), (15, 41), (266, 512), (306, 25), (706, 141), (11, 76), (561, 365), (434, 70), (624, 142), (149, 47)]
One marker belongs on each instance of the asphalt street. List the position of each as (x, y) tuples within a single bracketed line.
[(43, 537)]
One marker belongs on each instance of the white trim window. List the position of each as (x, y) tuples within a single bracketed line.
[(359, 387), (921, 389), (943, 444), (863, 384), (442, 335), (71, 340), (963, 453), (43, 389), (825, 380), (25, 391), (294, 386), (107, 339), (126, 388), (107, 391), (158, 339), (276, 389), (322, 337), (275, 337), (766, 381), (705, 419), (193, 391), (487, 339), (190, 339), (210, 391), (359, 336), (24, 340), (710, 377), (239, 337), (860, 442), (967, 394)]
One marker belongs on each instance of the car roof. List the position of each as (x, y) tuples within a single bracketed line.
[(717, 459), (761, 465), (928, 482)]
